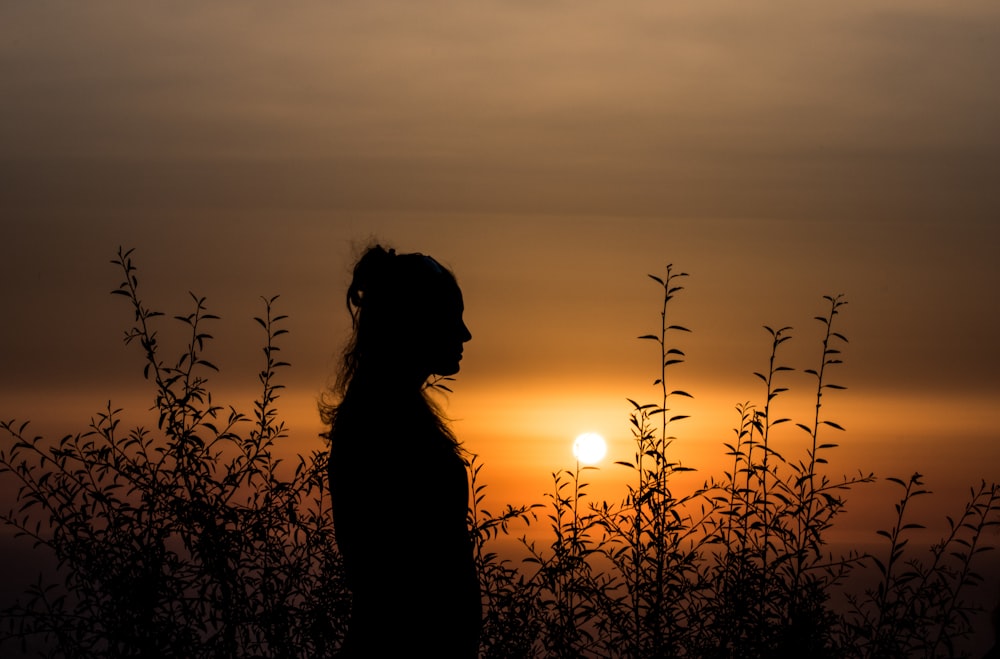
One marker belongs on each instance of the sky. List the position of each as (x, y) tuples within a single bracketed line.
[(553, 154)]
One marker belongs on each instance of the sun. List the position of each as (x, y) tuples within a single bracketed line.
[(589, 448)]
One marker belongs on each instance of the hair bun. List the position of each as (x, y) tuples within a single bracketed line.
[(370, 272)]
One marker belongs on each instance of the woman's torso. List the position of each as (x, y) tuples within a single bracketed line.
[(400, 494)]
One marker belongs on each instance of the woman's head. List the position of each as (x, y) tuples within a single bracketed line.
[(407, 313)]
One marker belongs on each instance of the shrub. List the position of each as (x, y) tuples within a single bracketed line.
[(189, 539), (739, 567)]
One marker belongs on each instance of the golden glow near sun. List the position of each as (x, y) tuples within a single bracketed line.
[(589, 448)]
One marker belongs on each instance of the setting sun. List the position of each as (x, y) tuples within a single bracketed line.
[(589, 448)]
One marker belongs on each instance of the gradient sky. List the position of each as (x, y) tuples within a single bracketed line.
[(553, 153)]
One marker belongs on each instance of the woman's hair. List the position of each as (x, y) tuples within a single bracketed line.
[(389, 293)]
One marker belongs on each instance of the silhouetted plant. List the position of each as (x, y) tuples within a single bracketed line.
[(740, 567), (917, 607), (186, 540), (652, 538), (512, 620), (777, 512), (572, 588)]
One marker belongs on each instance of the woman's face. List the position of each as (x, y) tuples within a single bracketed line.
[(444, 334)]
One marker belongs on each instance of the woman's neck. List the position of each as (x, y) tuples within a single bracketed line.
[(389, 382)]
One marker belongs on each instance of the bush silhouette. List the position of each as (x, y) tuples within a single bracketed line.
[(186, 540), (190, 539)]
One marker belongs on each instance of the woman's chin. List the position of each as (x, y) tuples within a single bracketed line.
[(444, 370)]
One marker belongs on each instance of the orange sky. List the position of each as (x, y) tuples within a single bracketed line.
[(553, 154), (555, 305)]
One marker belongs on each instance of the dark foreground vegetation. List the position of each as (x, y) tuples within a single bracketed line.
[(190, 539)]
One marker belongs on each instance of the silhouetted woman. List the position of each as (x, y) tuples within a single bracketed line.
[(397, 479)]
